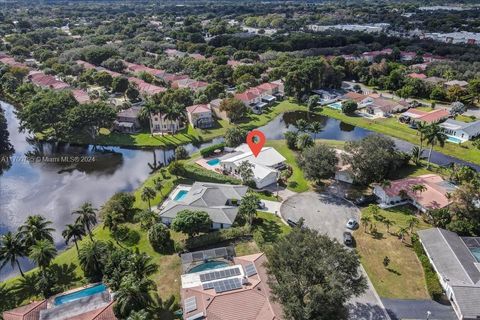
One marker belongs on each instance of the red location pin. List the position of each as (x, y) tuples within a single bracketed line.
[(256, 140)]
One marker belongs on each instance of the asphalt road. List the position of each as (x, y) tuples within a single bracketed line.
[(328, 214), (417, 309)]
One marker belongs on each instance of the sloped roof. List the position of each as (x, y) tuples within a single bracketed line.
[(468, 300), (199, 108), (470, 128), (30, 311), (435, 116)]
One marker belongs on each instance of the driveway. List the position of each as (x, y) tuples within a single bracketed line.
[(323, 212), (328, 214), (417, 309)]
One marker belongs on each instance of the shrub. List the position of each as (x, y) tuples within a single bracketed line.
[(181, 153), (349, 107), (159, 237), (433, 284), (291, 139), (208, 151), (217, 236), (198, 174), (126, 235)]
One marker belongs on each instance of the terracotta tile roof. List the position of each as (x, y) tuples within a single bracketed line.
[(81, 96), (199, 108), (11, 62), (268, 86), (354, 96), (145, 87), (28, 312), (246, 96), (197, 56), (46, 81), (104, 313), (434, 197), (170, 77), (434, 116), (252, 302), (416, 75), (136, 68), (85, 64)]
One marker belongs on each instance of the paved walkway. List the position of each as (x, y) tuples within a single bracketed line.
[(417, 309), (272, 207)]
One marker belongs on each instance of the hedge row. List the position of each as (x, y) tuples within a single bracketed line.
[(197, 173), (216, 237), (208, 151), (433, 283)]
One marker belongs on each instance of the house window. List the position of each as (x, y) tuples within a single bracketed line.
[(221, 225), (155, 119)]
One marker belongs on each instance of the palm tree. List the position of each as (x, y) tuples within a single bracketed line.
[(302, 125), (139, 315), (402, 232), (175, 113), (159, 307), (90, 258), (34, 229), (6, 297), (403, 194), (388, 223), (26, 287), (87, 217), (133, 295), (435, 136), (304, 141), (74, 232), (158, 184), (141, 265), (316, 127), (365, 220), (42, 253), (417, 155), (12, 249), (147, 195), (421, 128), (412, 222)]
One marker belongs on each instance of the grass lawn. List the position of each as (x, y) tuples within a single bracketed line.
[(392, 127), (297, 181), (404, 277), (145, 139)]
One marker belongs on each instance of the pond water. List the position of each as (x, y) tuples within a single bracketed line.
[(332, 129), (55, 179)]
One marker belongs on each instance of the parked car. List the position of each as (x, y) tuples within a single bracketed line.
[(352, 224), (365, 200), (292, 223), (347, 238)]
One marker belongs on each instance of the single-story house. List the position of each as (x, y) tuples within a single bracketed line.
[(407, 55), (81, 96), (384, 107), (238, 291), (463, 131), (417, 115), (138, 68), (462, 84), (46, 81), (265, 168), (171, 77), (343, 171), (145, 88), (127, 120), (191, 84), (456, 261), (400, 191), (355, 96), (434, 80), (220, 201), (160, 124), (10, 61), (200, 116), (415, 75)]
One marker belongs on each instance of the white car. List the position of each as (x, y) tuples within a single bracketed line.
[(352, 224)]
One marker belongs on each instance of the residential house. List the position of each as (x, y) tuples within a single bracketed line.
[(200, 116), (97, 306), (215, 106), (371, 55), (357, 97), (459, 130), (9, 61), (343, 171), (43, 80), (145, 88), (197, 56), (460, 83), (128, 120), (171, 77), (428, 57), (174, 53), (87, 66), (160, 124), (265, 165), (434, 81), (138, 68), (400, 191), (415, 75), (259, 97), (384, 107), (417, 115), (407, 55), (81, 96), (240, 292), (191, 84), (219, 201), (456, 261)]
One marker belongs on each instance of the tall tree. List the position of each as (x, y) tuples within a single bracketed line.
[(133, 295), (316, 285), (148, 194), (90, 118), (34, 229), (74, 232), (42, 253), (11, 250), (191, 222), (318, 162), (248, 207), (435, 136), (87, 217)]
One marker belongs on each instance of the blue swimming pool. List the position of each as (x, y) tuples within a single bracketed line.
[(454, 139), (476, 253), (209, 265), (335, 105), (180, 195), (80, 294), (213, 162)]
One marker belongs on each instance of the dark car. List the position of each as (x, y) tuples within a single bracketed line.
[(292, 223), (365, 200), (347, 238)]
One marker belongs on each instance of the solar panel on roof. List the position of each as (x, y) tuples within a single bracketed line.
[(250, 270), (190, 304), (227, 285)]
